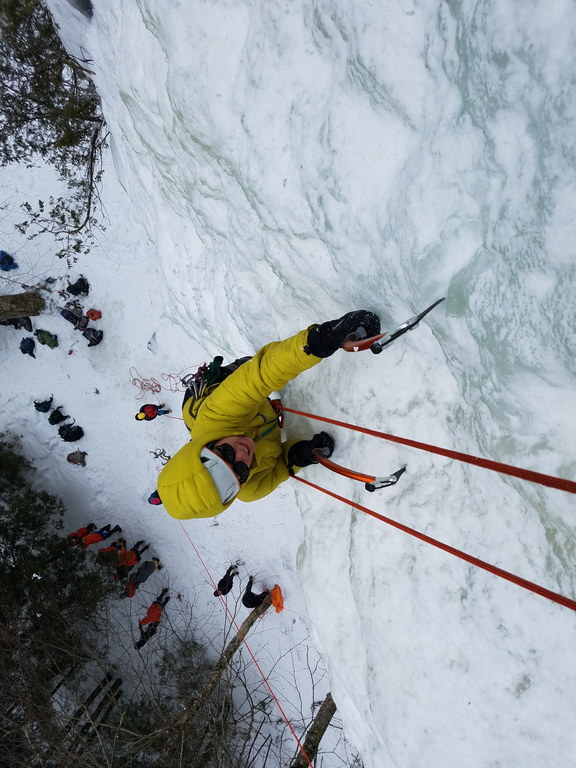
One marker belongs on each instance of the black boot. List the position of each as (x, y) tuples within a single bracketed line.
[(323, 340)]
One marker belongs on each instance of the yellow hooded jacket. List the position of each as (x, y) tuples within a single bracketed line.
[(238, 406)]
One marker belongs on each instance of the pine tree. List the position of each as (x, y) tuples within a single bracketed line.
[(49, 595), (50, 112)]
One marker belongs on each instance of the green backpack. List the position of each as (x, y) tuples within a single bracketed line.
[(45, 337)]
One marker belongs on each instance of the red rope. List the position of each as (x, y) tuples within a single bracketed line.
[(542, 591), (505, 469), (233, 620)]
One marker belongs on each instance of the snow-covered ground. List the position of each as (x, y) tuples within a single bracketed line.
[(280, 164)]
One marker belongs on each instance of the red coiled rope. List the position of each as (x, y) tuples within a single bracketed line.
[(529, 585), (506, 469)]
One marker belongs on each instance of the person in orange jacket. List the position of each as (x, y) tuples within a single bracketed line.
[(152, 619), (155, 610), (100, 535), (129, 558)]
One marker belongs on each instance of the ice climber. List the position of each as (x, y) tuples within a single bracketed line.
[(236, 449)]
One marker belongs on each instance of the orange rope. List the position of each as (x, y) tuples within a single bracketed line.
[(542, 591), (233, 620), (506, 469)]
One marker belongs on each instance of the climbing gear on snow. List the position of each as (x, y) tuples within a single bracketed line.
[(70, 432), (94, 337), (45, 337), (27, 346), (57, 416), (160, 453), (43, 406), (80, 288)]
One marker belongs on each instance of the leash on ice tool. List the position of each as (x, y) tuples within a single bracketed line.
[(371, 482), (555, 597), (376, 344)]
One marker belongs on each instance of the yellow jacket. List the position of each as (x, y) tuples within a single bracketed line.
[(238, 406)]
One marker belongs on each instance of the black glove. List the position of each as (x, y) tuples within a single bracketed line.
[(325, 339), (301, 454)]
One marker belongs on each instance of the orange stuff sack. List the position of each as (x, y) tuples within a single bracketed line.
[(277, 598), (94, 314)]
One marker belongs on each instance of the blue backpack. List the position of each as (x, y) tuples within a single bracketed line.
[(44, 405)]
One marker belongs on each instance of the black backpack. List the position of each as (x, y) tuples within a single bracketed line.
[(80, 288), (44, 405), (70, 432), (94, 337), (56, 417), (19, 322)]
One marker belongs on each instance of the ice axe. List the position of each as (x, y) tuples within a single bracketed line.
[(377, 343), (371, 482)]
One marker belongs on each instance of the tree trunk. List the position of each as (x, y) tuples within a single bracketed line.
[(316, 732), (21, 305), (223, 661)]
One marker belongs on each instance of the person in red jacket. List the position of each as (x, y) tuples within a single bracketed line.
[(76, 536), (152, 619), (149, 411)]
